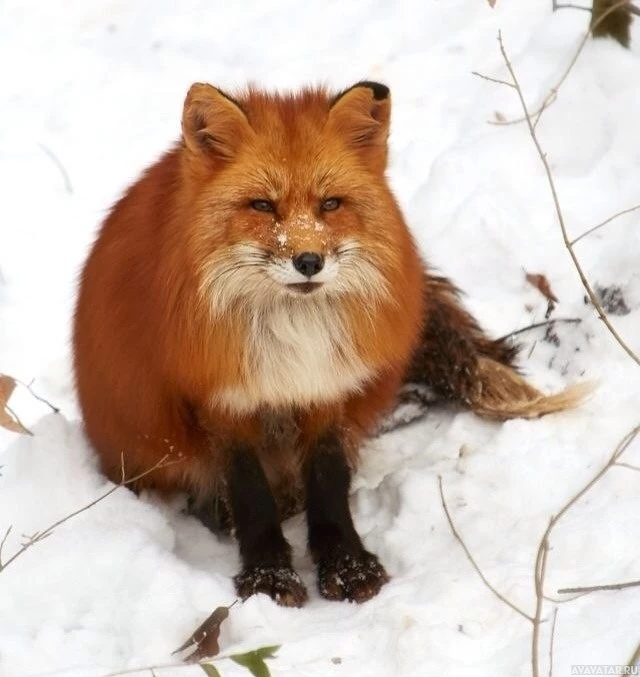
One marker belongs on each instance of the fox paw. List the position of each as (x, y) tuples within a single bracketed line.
[(356, 578), (281, 583)]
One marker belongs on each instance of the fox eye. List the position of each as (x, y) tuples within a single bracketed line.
[(331, 204), (262, 205)]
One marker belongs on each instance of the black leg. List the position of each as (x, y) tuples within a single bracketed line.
[(345, 569), (265, 554)]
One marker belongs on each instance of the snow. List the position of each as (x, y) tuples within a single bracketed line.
[(101, 85)]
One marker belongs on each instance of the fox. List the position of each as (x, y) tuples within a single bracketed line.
[(249, 312)]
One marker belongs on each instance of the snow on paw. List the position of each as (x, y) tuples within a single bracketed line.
[(354, 577), (281, 583)]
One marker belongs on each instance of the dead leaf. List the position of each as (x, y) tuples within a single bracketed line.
[(492, 3), (205, 637), (499, 116), (541, 283), (8, 419)]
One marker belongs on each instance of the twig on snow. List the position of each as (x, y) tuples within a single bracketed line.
[(556, 201), (604, 223), (61, 168), (41, 535), (552, 640), (568, 320), (597, 588), (543, 547), (28, 386), (635, 658), (457, 536), (551, 96)]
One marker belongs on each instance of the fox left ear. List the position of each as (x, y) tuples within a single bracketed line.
[(361, 114)]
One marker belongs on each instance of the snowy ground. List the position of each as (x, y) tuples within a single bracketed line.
[(100, 84)]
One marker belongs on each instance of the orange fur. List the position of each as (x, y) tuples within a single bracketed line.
[(174, 315)]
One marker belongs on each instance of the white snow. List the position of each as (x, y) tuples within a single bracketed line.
[(100, 84)]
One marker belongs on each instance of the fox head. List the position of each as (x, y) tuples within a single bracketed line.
[(288, 195)]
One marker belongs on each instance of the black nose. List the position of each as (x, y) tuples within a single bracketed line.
[(308, 263)]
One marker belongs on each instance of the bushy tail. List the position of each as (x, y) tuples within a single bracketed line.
[(501, 393), (458, 362)]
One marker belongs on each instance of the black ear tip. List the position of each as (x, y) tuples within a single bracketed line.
[(380, 91)]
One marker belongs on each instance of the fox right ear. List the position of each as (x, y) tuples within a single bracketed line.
[(361, 115), (212, 122)]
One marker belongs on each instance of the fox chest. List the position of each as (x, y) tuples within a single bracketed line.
[(295, 358)]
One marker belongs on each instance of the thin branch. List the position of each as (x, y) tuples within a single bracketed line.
[(556, 202), (488, 77), (569, 320), (552, 641), (53, 408), (457, 536), (597, 588), (628, 465), (635, 658), (61, 168), (604, 223), (540, 571), (41, 535), (4, 540), (17, 419), (569, 5), (543, 548), (552, 95)]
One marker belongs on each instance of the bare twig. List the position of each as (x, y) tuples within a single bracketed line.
[(488, 77), (552, 641), (4, 540), (54, 158), (543, 158), (457, 536), (568, 5), (569, 320), (604, 223), (628, 465), (17, 420), (53, 408), (635, 658), (538, 581), (41, 535), (543, 548), (597, 588), (552, 95)]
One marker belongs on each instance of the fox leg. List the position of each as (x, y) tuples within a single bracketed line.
[(345, 569), (265, 553)]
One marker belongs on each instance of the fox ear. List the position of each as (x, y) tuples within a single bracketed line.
[(212, 122), (361, 114)]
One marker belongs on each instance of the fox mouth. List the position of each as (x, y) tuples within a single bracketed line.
[(304, 287)]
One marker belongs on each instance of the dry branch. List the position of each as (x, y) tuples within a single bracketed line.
[(552, 640), (61, 168), (556, 201), (457, 536), (536, 325), (41, 535), (553, 92), (604, 223), (597, 588)]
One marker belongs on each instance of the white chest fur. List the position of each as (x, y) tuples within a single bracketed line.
[(298, 353)]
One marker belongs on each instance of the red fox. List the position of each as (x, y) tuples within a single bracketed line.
[(251, 308)]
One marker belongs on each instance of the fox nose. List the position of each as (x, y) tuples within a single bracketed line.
[(308, 263)]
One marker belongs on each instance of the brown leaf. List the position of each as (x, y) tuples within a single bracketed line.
[(205, 637), (492, 3), (8, 419), (7, 386), (541, 283), (499, 116)]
